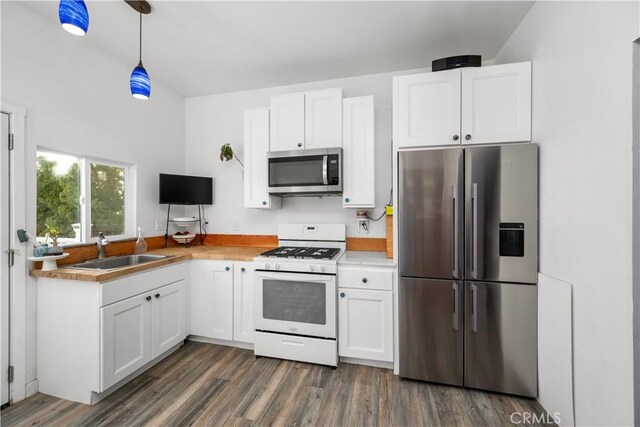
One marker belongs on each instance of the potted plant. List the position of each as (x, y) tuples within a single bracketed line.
[(53, 233), (226, 154)]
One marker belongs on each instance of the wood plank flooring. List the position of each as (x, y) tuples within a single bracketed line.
[(212, 385)]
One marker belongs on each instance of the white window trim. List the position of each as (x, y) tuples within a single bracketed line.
[(85, 196)]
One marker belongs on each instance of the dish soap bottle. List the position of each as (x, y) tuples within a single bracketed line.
[(141, 245)]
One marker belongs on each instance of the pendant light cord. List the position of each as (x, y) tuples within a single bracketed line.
[(140, 37)]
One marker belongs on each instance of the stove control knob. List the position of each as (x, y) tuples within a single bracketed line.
[(311, 268), (267, 266), (277, 266), (321, 268)]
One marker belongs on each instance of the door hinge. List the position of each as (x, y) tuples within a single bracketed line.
[(10, 141), (10, 373)]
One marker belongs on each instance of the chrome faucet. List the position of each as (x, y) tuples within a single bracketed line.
[(102, 242)]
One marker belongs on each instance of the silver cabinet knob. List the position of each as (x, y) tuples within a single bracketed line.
[(242, 269), (364, 280), (299, 144), (456, 137), (346, 200), (148, 298), (342, 295), (264, 203), (467, 137), (226, 269)]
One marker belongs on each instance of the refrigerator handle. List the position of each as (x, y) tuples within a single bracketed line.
[(474, 230), (455, 230), (474, 308), (456, 300)]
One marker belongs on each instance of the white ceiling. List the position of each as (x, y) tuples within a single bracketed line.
[(204, 47)]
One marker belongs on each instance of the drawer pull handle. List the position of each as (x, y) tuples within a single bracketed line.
[(148, 298), (293, 343), (364, 280), (157, 295)]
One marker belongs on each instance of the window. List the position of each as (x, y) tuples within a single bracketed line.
[(82, 197)]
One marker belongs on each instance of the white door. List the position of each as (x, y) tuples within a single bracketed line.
[(496, 103), (5, 242), (323, 119), (169, 317), (366, 324), (126, 338), (429, 109), (243, 328), (211, 308), (256, 173), (358, 153), (287, 122)]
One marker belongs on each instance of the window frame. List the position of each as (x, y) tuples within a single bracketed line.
[(85, 195)]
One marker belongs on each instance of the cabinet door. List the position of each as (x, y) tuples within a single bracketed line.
[(501, 337), (243, 302), (256, 146), (169, 317), (429, 109), (366, 324), (211, 298), (431, 330), (323, 119), (496, 103), (126, 338), (358, 153), (287, 122)]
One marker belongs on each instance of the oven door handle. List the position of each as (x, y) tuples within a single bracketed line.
[(293, 276), (325, 163)]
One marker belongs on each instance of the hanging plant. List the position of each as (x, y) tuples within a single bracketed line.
[(226, 154)]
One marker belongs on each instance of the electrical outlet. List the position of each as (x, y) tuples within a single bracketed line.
[(363, 226), (236, 225), (159, 225)]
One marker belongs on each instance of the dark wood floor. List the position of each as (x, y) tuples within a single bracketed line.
[(203, 384)]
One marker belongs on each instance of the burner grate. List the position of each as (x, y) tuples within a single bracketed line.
[(301, 252)]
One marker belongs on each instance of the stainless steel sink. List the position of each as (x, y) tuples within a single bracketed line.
[(117, 262)]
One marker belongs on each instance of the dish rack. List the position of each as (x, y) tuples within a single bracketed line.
[(185, 222)]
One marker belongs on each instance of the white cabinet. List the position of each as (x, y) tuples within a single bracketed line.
[(125, 339), (358, 153), (365, 312), (474, 105), (496, 103), (323, 119), (287, 122), (211, 296), (306, 120), (243, 302), (428, 109), (256, 147), (366, 324), (141, 328), (169, 317)]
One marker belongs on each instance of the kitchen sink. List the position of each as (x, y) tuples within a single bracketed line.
[(117, 262)]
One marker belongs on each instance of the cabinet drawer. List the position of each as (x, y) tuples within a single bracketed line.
[(292, 347), (365, 278)]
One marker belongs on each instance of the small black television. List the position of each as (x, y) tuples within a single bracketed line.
[(185, 190)]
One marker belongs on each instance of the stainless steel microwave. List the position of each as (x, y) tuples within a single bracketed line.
[(305, 172)]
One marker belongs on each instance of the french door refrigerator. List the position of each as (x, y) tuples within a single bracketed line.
[(468, 259)]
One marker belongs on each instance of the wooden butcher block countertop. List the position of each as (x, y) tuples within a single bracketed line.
[(175, 254)]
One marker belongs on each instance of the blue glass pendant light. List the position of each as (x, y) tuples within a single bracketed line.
[(140, 82), (74, 16)]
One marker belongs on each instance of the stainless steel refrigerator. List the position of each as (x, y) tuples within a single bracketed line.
[(468, 259)]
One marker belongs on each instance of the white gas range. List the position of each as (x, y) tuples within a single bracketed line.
[(296, 294)]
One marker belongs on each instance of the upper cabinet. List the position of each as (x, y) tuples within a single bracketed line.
[(256, 146), (306, 120), (358, 153), (323, 119), (496, 103), (475, 105)]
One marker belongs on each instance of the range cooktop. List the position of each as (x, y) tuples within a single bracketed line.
[(301, 252)]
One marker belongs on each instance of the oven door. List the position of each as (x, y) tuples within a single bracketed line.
[(294, 303), (305, 171)]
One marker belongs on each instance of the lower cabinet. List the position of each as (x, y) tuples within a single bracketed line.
[(365, 312), (211, 298), (243, 302), (139, 329)]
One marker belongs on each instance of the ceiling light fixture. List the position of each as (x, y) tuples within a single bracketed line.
[(74, 16), (140, 82)]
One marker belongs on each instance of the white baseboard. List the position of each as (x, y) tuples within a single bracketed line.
[(32, 388), (366, 362), (244, 345)]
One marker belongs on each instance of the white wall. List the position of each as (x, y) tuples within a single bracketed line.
[(582, 69), (77, 100), (217, 119)]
